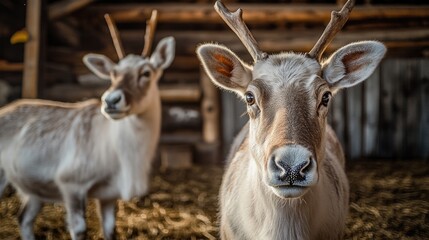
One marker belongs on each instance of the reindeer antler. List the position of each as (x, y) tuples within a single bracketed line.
[(150, 32), (115, 36), (338, 19), (236, 23)]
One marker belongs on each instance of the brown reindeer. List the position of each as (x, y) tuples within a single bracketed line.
[(51, 151), (285, 177)]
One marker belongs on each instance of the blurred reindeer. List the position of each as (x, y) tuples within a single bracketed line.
[(52, 151), (285, 178)]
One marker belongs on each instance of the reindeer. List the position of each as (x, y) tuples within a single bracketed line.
[(285, 177), (52, 151)]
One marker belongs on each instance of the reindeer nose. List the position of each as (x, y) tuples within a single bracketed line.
[(290, 165), (113, 99)]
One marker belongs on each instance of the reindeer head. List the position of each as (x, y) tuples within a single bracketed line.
[(134, 78), (288, 96)]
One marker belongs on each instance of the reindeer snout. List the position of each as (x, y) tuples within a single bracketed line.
[(114, 99), (292, 165)]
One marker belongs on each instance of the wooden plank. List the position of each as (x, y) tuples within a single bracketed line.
[(32, 50), (371, 111), (410, 69), (275, 41), (338, 118), (424, 112), (398, 105), (73, 92), (210, 109), (387, 117), (354, 125), (65, 7), (6, 66), (256, 13), (180, 93), (176, 157), (234, 117)]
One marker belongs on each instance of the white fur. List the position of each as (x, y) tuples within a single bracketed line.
[(70, 152), (249, 208)]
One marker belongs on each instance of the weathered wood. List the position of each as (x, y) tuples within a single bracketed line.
[(256, 13), (410, 69), (354, 122), (387, 116), (180, 93), (210, 109), (65, 7), (338, 117), (75, 92), (371, 110), (181, 137), (234, 117), (424, 112), (300, 40), (6, 66), (32, 50)]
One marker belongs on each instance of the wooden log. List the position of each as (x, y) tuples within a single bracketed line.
[(65, 7), (75, 92), (256, 13), (371, 95), (6, 66), (300, 40), (180, 93), (32, 50), (210, 109), (181, 137)]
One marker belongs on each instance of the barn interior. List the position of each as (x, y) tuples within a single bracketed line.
[(383, 124)]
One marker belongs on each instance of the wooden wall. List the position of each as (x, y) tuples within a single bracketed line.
[(386, 117)]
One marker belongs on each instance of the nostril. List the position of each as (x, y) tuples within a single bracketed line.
[(306, 167), (115, 99)]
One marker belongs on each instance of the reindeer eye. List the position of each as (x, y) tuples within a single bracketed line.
[(145, 74), (250, 98), (325, 98)]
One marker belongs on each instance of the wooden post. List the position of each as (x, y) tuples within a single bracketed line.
[(32, 50), (209, 109), (208, 151)]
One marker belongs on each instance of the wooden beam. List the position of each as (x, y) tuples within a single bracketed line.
[(32, 50), (65, 7), (210, 109), (256, 13), (6, 66)]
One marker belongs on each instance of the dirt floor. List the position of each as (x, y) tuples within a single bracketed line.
[(389, 200)]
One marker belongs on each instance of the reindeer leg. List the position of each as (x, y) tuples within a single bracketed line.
[(29, 210), (106, 211), (75, 203)]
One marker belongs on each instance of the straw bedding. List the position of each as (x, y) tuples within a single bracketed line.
[(389, 200)]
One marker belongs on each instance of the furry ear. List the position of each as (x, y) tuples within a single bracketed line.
[(224, 68), (163, 55), (99, 64), (353, 63)]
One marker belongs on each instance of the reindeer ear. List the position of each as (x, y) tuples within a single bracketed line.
[(163, 55), (99, 64), (353, 63), (224, 68)]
